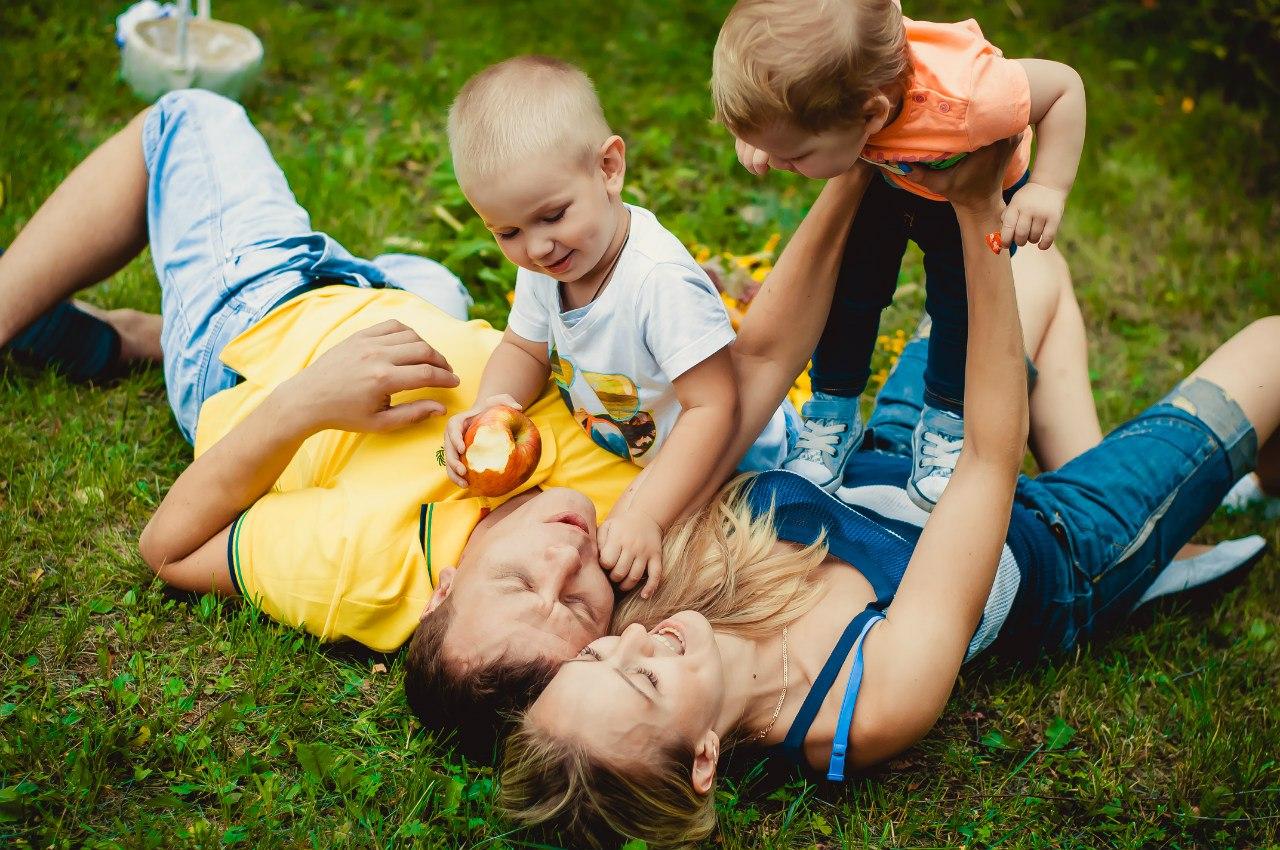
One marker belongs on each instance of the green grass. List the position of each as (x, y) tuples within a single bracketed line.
[(129, 717)]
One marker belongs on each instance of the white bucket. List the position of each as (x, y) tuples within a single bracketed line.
[(221, 57)]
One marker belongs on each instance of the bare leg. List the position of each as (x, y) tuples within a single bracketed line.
[(1269, 468), (139, 331), (88, 229), (1247, 366), (1064, 418)]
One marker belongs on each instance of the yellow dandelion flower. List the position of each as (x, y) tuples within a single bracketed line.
[(1188, 104), (511, 297), (801, 391), (772, 244), (761, 273)]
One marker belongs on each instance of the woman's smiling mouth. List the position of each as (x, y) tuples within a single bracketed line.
[(669, 637)]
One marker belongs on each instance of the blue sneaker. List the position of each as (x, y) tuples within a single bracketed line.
[(935, 448), (832, 430)]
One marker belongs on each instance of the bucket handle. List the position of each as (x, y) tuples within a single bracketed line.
[(184, 15)]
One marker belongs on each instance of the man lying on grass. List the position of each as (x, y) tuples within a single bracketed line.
[(312, 494), (312, 387)]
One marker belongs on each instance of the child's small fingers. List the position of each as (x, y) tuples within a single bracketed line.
[(455, 435), (1020, 232), (760, 161), (1008, 222), (635, 574), (612, 560), (1046, 238), (609, 560), (1036, 231), (655, 576)]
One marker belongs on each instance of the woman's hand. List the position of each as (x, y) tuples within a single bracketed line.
[(349, 387), (973, 183)]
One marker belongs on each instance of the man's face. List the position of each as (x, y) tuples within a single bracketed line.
[(530, 584), (554, 214)]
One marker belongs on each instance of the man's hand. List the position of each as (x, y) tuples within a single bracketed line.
[(454, 447), (631, 545), (1033, 216), (753, 159), (349, 387)]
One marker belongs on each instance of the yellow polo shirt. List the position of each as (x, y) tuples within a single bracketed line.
[(350, 540)]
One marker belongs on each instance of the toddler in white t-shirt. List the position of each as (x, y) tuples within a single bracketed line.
[(607, 301)]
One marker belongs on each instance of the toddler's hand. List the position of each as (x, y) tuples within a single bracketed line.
[(631, 545), (753, 159), (1033, 216), (457, 427)]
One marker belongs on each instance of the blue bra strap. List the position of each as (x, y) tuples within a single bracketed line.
[(793, 744), (840, 743)]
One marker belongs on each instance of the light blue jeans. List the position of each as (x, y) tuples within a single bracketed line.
[(230, 243)]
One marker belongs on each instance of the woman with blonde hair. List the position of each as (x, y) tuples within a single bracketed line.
[(832, 630)]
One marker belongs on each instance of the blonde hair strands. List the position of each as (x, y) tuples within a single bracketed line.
[(725, 563), (809, 63)]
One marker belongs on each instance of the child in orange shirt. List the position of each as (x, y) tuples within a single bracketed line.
[(812, 86)]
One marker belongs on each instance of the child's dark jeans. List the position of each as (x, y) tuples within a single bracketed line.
[(886, 219)]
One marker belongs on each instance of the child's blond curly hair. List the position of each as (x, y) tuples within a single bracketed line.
[(809, 63)]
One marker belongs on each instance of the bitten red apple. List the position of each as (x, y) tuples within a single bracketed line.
[(502, 449)]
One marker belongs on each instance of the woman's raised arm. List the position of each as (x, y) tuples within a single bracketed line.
[(786, 318), (914, 656)]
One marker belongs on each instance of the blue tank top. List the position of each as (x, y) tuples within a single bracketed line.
[(878, 547)]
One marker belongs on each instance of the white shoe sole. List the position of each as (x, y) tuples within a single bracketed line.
[(1197, 572), (919, 499)]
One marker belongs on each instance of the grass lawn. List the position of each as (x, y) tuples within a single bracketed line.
[(129, 717)]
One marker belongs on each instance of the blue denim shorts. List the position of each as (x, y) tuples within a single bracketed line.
[(230, 242), (1123, 509), (1117, 513)]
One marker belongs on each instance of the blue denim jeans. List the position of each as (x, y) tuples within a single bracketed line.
[(230, 242), (886, 219), (1117, 513)]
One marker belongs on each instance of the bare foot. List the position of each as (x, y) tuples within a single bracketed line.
[(1191, 550), (139, 332)]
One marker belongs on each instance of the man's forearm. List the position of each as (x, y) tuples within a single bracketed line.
[(787, 316), (233, 474)]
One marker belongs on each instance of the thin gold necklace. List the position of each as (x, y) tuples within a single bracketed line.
[(782, 697)]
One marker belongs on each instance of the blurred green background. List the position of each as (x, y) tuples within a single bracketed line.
[(132, 718)]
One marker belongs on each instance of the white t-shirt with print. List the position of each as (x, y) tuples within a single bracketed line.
[(615, 359)]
